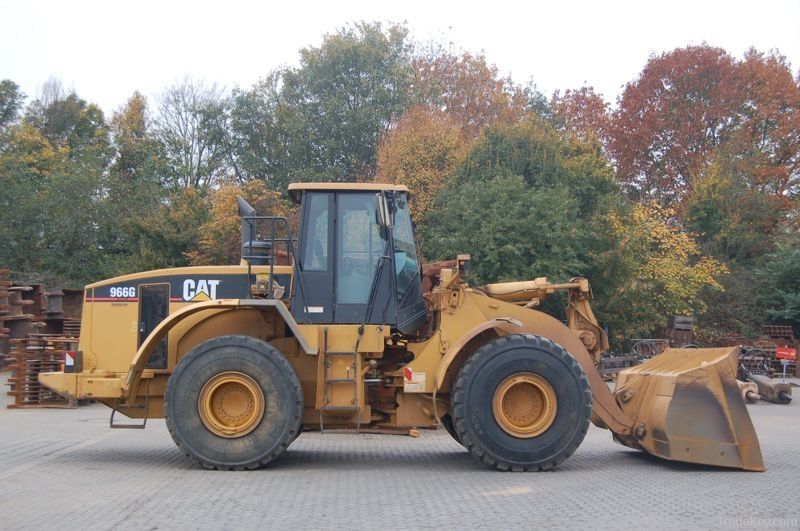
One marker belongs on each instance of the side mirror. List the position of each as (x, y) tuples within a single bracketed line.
[(382, 215)]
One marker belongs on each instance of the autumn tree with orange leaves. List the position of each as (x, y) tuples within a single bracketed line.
[(581, 112), (421, 152), (468, 89), (688, 103)]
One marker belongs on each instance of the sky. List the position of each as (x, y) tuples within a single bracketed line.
[(105, 50)]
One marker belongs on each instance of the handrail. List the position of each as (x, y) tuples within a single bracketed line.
[(252, 222)]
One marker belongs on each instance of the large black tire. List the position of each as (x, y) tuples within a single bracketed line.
[(282, 410), (482, 375)]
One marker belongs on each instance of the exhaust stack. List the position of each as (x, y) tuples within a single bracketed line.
[(253, 250)]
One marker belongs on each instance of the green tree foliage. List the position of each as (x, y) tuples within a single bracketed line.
[(779, 283), (322, 121), (52, 171), (262, 134), (165, 238), (732, 221), (11, 100), (556, 202), (68, 121), (27, 161), (511, 231), (135, 185), (536, 152)]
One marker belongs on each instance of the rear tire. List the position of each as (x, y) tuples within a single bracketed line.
[(521, 403), (233, 403)]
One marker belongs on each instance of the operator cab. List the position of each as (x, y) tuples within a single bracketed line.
[(357, 261)]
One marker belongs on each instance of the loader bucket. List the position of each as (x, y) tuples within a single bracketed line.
[(687, 407)]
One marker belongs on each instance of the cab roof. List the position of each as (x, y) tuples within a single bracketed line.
[(296, 189)]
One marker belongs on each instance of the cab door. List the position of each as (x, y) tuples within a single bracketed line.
[(312, 298), (153, 308)]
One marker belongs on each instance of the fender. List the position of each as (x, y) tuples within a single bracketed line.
[(604, 407), (130, 383)]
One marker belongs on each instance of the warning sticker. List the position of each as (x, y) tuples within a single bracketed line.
[(413, 382)]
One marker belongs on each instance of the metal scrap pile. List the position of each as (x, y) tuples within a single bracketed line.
[(32, 355), (772, 354), (37, 329), (4, 310)]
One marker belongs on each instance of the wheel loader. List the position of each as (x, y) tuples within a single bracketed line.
[(340, 327)]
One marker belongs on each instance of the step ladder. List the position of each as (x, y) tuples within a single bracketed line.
[(339, 379), (145, 407)]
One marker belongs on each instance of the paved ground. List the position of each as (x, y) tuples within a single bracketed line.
[(66, 469)]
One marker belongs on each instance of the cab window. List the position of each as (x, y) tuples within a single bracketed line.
[(315, 251), (405, 255), (360, 247)]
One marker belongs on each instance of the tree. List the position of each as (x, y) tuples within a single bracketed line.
[(529, 202), (671, 118), (70, 224), (467, 89), (53, 171), (767, 139), (11, 100), (134, 189), (166, 237), (421, 152), (69, 121), (582, 113), (511, 231), (191, 127), (263, 134), (26, 162), (535, 151), (779, 283), (659, 271), (687, 104), (733, 221), (322, 120)]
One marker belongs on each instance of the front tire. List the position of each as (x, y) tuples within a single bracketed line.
[(521, 402), (234, 403)]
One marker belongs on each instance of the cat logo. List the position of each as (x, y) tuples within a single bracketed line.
[(199, 290)]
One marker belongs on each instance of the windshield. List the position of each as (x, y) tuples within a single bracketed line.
[(405, 255)]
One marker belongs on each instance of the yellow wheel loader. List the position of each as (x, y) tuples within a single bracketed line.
[(341, 328)]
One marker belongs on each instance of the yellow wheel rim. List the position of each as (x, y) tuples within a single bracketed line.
[(231, 404), (524, 405)]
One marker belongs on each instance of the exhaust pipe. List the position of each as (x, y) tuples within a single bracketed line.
[(253, 250)]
